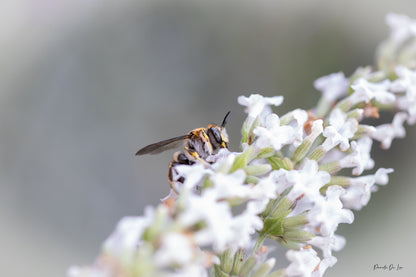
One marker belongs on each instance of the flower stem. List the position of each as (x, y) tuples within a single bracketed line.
[(259, 242)]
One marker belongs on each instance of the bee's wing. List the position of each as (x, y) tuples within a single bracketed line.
[(161, 146)]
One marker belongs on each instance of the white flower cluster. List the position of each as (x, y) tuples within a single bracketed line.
[(325, 213), (285, 184)]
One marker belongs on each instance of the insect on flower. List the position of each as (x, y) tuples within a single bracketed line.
[(199, 145)]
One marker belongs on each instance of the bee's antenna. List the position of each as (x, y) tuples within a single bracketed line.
[(227, 116)]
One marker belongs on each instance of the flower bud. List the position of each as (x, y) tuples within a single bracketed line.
[(219, 272), (269, 208), (278, 163), (303, 149), (238, 261), (265, 268), (252, 180), (266, 153), (317, 154), (247, 266), (283, 208), (226, 261), (297, 235), (278, 273), (356, 113), (153, 231), (341, 181), (244, 158), (273, 226), (295, 221), (257, 169), (330, 167), (286, 243)]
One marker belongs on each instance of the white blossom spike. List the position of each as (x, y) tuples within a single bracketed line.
[(286, 185)]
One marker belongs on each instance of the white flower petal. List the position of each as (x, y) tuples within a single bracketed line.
[(193, 175), (323, 265), (364, 91), (126, 237), (328, 213), (359, 192), (337, 118), (303, 262), (328, 243), (207, 209), (273, 134), (406, 83), (381, 177), (317, 127), (357, 196), (296, 119), (402, 27), (257, 104), (228, 186), (244, 226), (387, 132), (307, 181), (175, 249), (333, 138), (360, 157), (332, 86), (340, 130)]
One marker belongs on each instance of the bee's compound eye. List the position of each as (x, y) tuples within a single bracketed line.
[(217, 134)]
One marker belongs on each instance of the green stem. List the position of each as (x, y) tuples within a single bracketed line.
[(259, 242)]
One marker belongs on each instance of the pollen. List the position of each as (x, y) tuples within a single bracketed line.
[(263, 249), (170, 203), (371, 111), (317, 267), (308, 124)]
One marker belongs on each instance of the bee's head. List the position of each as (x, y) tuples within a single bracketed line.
[(217, 134)]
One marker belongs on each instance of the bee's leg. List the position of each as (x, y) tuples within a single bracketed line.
[(178, 159), (196, 156), (170, 176), (181, 158)]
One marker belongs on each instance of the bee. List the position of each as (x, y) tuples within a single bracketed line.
[(199, 145)]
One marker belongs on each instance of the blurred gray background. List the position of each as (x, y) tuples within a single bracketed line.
[(85, 84)]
